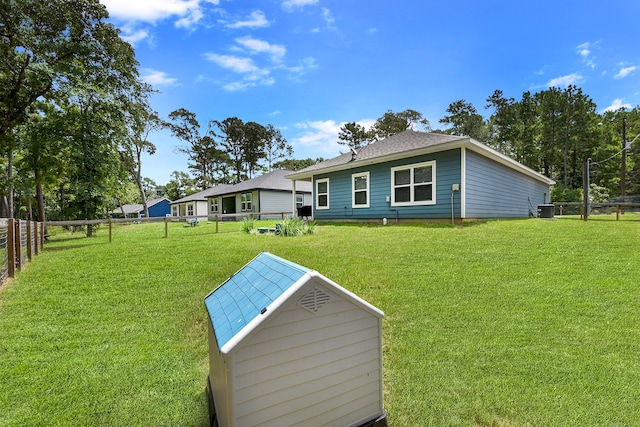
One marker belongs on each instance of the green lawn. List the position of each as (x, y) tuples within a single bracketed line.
[(503, 323)]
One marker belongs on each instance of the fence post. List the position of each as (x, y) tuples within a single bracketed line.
[(29, 247), (216, 223), (617, 212), (11, 247), (166, 227), (110, 231), (17, 243)]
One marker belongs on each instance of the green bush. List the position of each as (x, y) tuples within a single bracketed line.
[(295, 227), (247, 224)]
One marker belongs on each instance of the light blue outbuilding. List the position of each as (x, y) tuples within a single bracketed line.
[(287, 346)]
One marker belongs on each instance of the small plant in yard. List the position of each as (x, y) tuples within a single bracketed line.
[(296, 227), (248, 224)]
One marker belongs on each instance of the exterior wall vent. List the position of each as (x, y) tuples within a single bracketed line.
[(314, 300)]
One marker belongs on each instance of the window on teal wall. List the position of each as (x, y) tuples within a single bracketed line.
[(413, 184), (360, 187), (322, 193)]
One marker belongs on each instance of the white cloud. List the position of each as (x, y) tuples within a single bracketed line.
[(585, 50), (157, 78), (275, 51), (567, 80), (616, 105), (252, 75), (134, 36), (290, 5), (233, 63), (257, 19), (625, 71), (328, 18), (322, 136), (154, 10)]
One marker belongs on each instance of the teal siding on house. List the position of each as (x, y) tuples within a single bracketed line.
[(497, 191), (448, 172)]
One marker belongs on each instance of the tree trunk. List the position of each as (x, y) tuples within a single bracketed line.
[(10, 183), (40, 200)]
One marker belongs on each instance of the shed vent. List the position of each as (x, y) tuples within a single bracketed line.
[(314, 300)]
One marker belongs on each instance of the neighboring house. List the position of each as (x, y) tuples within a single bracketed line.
[(196, 204), (287, 346), (270, 193), (157, 208), (414, 175)]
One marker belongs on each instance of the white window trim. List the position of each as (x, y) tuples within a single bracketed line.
[(413, 166), (244, 202), (193, 209), (353, 190), (299, 200), (318, 181), (214, 205), (175, 210)]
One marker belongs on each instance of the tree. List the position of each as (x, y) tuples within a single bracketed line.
[(180, 185), (140, 121), (48, 48), (275, 147), (208, 162), (464, 120), (392, 123), (297, 164), (354, 135)]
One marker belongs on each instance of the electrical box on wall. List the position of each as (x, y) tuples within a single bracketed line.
[(455, 187)]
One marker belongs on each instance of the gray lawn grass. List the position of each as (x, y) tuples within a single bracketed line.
[(503, 323)]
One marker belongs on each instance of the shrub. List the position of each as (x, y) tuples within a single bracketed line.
[(248, 224), (295, 227)]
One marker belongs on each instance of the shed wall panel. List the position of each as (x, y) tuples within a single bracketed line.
[(304, 366), (496, 191)]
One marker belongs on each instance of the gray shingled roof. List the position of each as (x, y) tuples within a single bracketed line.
[(202, 195), (407, 144), (274, 180), (406, 141)]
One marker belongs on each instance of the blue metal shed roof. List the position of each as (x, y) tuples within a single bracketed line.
[(244, 295)]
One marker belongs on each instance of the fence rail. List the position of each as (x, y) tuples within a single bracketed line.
[(188, 220), (20, 241)]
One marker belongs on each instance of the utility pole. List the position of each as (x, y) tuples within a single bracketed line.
[(623, 178)]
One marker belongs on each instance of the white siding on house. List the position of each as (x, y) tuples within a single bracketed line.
[(323, 367), (275, 201)]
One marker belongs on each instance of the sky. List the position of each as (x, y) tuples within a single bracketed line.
[(309, 66)]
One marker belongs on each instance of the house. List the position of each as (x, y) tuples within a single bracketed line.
[(195, 204), (287, 346), (269, 193), (157, 208), (419, 175)]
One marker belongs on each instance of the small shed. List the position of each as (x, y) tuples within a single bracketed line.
[(287, 346)]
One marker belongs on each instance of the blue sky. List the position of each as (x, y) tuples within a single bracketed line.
[(308, 66)]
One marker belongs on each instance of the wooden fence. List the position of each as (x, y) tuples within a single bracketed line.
[(20, 241), (187, 220), (563, 208)]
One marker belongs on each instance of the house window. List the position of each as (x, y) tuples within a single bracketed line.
[(413, 184), (299, 200), (174, 210), (190, 209), (214, 205), (245, 202), (322, 193), (360, 190)]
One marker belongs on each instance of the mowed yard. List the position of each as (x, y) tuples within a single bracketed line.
[(503, 323)]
